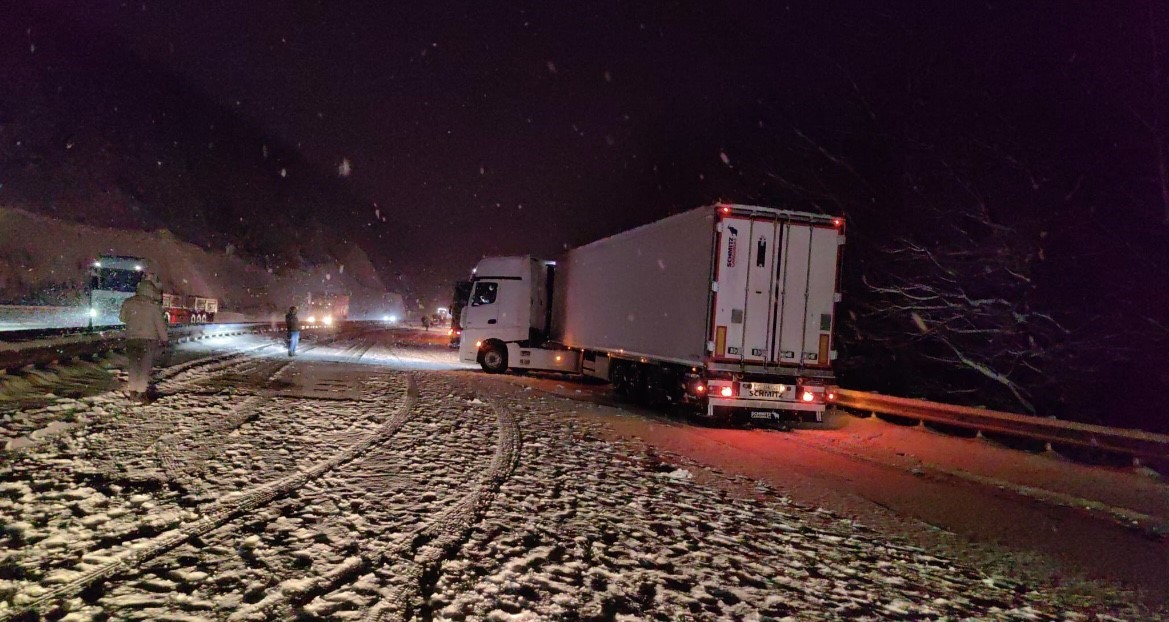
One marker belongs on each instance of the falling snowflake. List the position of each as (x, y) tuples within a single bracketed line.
[(345, 168), (551, 67), (377, 213), (919, 322), (722, 155), (608, 77), (284, 172)]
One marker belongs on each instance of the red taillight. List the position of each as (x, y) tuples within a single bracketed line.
[(808, 396), (831, 396), (699, 388), (727, 391), (837, 221)]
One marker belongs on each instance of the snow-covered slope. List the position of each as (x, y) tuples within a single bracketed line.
[(41, 254)]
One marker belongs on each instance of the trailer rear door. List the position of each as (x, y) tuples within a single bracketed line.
[(745, 288), (806, 295), (775, 289)]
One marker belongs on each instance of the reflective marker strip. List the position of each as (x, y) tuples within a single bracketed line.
[(823, 349), (720, 341)]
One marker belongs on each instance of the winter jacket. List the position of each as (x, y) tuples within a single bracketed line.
[(143, 318), (292, 322)]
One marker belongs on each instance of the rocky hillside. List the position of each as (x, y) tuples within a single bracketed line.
[(46, 261)]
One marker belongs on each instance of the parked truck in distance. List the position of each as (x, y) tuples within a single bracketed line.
[(185, 309), (728, 309)]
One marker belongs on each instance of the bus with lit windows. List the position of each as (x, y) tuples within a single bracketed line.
[(113, 279)]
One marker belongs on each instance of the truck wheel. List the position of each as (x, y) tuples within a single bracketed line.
[(494, 358)]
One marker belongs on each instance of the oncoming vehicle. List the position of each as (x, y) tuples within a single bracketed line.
[(326, 309), (727, 309)]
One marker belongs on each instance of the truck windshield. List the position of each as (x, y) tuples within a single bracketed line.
[(484, 294), (117, 280)]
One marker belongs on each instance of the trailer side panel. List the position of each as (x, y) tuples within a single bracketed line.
[(644, 292)]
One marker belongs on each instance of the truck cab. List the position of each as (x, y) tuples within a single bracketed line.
[(508, 312)]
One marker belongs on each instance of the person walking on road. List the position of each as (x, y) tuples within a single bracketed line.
[(426, 322), (145, 337), (292, 324)]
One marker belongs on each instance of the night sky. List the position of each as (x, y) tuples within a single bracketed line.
[(524, 127)]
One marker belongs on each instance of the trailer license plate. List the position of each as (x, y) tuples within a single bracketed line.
[(762, 414), (766, 391)]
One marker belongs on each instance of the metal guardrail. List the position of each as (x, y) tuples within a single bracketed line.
[(70, 346), (32, 334), (1135, 443)]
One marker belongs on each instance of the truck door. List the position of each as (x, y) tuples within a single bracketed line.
[(806, 295), (743, 313), (482, 312)]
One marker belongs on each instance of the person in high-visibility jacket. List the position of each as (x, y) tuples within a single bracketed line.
[(145, 337)]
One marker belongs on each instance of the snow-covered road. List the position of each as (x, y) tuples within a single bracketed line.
[(369, 479)]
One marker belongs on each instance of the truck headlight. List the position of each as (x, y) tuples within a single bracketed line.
[(328, 320), (92, 312)]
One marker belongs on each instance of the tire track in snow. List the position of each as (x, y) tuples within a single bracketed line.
[(415, 555), (170, 377), (171, 450), (218, 514), (189, 366), (182, 456), (147, 444), (434, 543)]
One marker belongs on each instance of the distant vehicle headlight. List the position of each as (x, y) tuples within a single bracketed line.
[(393, 318), (92, 312), (328, 320), (312, 319)]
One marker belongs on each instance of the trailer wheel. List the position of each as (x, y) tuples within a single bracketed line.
[(494, 358)]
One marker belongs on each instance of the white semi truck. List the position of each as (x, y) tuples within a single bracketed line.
[(725, 308)]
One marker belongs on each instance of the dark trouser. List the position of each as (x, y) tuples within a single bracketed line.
[(140, 354), (293, 339)]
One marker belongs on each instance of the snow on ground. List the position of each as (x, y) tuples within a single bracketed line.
[(360, 481), (15, 317)]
